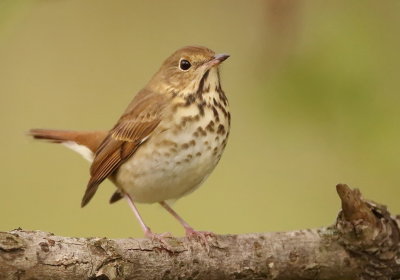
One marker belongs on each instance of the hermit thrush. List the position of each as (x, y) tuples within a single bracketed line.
[(167, 141)]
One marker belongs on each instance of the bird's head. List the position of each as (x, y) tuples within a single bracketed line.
[(188, 70)]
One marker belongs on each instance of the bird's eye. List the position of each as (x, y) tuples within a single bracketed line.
[(184, 65)]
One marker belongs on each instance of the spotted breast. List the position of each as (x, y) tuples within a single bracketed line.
[(184, 150)]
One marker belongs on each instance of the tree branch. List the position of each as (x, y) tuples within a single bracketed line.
[(363, 244)]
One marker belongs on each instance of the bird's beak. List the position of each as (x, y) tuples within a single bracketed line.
[(221, 57), (216, 60)]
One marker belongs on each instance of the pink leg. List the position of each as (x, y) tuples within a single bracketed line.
[(145, 228), (190, 232), (147, 231)]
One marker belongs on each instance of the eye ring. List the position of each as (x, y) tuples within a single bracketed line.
[(184, 65)]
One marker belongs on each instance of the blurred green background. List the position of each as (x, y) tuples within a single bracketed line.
[(314, 91)]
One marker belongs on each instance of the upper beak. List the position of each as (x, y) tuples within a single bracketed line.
[(217, 59), (221, 57)]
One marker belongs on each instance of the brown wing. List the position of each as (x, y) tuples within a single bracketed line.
[(134, 127)]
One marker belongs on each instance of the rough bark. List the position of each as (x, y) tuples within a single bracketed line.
[(363, 244)]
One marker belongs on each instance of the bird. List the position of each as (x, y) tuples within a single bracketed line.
[(167, 141)]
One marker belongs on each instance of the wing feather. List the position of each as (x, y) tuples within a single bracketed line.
[(134, 127)]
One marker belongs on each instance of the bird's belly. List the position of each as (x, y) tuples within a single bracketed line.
[(172, 163)]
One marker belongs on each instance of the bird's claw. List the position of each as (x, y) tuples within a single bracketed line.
[(200, 235), (159, 237)]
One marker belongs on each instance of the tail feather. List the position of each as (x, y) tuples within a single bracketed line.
[(85, 143), (55, 136), (89, 139)]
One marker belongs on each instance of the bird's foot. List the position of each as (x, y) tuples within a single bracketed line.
[(199, 235), (159, 237)]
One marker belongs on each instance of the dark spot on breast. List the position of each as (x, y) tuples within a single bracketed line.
[(184, 120), (192, 142), (215, 102), (222, 108), (198, 154), (216, 114), (210, 126), (188, 119), (200, 106), (200, 89), (218, 87), (185, 146), (221, 95), (201, 131), (221, 129), (224, 143), (190, 99)]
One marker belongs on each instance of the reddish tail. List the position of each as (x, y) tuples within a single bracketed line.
[(89, 139)]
